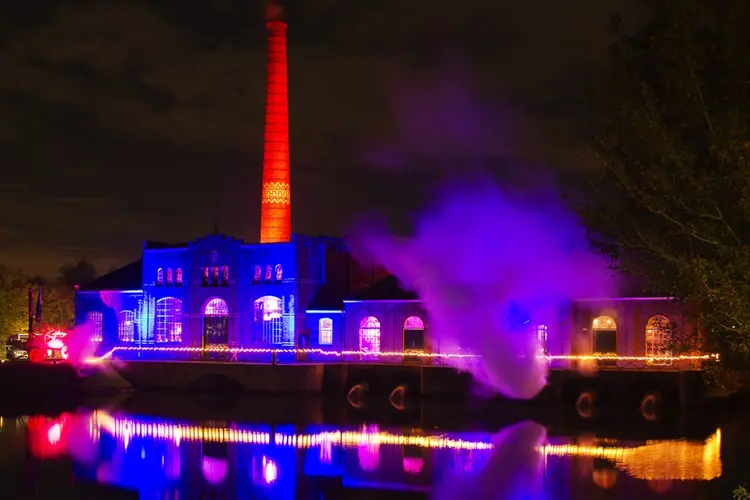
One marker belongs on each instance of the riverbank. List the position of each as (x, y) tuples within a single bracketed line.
[(360, 384)]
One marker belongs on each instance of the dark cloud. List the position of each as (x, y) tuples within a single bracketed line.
[(144, 119)]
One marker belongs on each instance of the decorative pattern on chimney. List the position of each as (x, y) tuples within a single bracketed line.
[(276, 210)]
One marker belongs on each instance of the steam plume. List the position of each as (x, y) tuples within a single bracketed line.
[(489, 262)]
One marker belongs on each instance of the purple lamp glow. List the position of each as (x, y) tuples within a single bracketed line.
[(214, 470), (413, 465), (368, 451), (476, 259)]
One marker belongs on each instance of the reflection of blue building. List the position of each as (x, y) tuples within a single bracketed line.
[(164, 468), (220, 292), (161, 459)]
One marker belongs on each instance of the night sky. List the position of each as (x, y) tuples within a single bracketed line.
[(125, 121)]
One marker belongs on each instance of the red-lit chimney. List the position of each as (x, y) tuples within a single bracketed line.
[(276, 210)]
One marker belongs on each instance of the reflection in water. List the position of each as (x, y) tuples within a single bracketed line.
[(655, 460), (513, 472), (170, 459)]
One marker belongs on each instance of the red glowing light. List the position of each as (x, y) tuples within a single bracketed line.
[(48, 437), (276, 212), (47, 343)]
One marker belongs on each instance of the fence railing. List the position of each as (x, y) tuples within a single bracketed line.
[(282, 355)]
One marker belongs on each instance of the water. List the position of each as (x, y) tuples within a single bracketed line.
[(177, 448)]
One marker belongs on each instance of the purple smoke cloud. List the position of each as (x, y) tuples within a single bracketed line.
[(488, 262), (514, 471)]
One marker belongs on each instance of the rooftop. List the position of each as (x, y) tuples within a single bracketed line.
[(128, 277), (386, 289)]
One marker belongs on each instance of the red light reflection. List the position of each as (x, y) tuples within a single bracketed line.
[(47, 437)]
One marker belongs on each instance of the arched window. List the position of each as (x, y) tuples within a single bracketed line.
[(216, 323), (369, 334), (256, 274), (325, 331), (268, 273), (604, 341), (178, 276), (169, 276), (96, 319), (225, 272), (269, 319), (413, 334), (279, 272), (126, 326), (169, 320), (159, 276), (540, 332), (658, 337)]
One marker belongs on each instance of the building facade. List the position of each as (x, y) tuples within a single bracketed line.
[(308, 300), (216, 293)]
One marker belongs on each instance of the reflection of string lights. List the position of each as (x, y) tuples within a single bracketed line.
[(674, 459), (126, 429), (670, 459), (389, 354)]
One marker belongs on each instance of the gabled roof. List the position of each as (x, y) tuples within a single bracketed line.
[(386, 289), (327, 298), (129, 277)]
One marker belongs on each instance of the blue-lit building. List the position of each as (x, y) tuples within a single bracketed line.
[(218, 292)]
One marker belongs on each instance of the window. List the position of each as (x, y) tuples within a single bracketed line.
[(126, 326), (541, 337), (369, 334), (256, 274), (178, 277), (269, 321), (216, 307), (268, 273), (169, 320), (658, 337), (604, 341), (169, 276), (413, 334), (160, 276), (225, 272), (216, 323), (204, 279), (279, 272), (325, 331), (97, 322), (215, 276)]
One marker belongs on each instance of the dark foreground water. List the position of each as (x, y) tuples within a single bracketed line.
[(174, 448)]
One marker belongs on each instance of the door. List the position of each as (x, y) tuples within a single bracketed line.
[(605, 342), (215, 335)]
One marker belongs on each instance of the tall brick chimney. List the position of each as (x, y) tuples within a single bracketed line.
[(276, 209)]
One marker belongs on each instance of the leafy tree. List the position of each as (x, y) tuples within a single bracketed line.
[(58, 303), (670, 202), (59, 306), (13, 304), (78, 273)]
